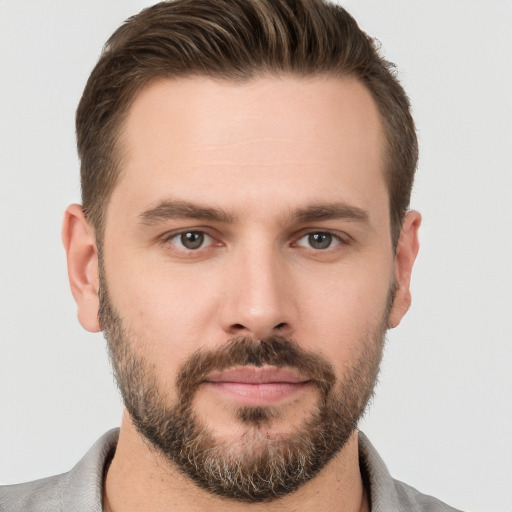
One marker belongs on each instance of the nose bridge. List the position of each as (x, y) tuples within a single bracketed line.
[(258, 302)]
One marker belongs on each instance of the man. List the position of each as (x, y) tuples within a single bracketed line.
[(244, 243)]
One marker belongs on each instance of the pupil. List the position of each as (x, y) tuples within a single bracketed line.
[(320, 240), (192, 240)]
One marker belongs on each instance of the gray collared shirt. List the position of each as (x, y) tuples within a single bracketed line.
[(80, 490)]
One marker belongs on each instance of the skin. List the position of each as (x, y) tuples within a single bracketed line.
[(260, 152)]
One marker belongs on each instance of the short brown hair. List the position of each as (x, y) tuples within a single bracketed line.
[(235, 40)]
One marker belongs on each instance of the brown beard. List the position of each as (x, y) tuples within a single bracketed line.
[(259, 467)]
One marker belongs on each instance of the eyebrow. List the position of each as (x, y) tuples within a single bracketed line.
[(330, 211), (177, 209), (171, 209)]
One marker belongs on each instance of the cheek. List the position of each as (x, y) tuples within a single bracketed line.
[(344, 311), (168, 311)]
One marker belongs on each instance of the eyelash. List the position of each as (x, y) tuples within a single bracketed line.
[(339, 239), (168, 239), (336, 237)]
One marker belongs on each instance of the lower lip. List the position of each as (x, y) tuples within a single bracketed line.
[(260, 394)]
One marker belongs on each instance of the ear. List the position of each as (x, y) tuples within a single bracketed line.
[(82, 255), (406, 252)]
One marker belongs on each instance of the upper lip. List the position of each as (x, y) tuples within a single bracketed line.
[(257, 375)]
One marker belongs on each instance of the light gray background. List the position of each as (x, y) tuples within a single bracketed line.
[(442, 418)]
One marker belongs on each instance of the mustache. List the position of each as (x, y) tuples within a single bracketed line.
[(278, 351)]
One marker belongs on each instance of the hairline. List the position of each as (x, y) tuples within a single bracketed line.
[(119, 149)]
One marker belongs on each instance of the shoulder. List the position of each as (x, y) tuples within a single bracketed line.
[(412, 500), (79, 489), (388, 494), (40, 495)]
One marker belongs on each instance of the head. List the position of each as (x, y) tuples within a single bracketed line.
[(244, 242)]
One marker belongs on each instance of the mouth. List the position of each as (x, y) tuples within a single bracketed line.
[(257, 386)]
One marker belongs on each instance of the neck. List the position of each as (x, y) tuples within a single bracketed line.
[(140, 478)]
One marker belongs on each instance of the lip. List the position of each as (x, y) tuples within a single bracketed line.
[(255, 386)]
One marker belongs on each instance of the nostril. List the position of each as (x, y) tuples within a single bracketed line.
[(259, 331)]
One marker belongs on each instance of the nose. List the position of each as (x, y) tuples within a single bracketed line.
[(259, 295)]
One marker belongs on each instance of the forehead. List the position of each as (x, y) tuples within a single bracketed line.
[(270, 139)]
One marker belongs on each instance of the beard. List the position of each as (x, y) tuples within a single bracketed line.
[(259, 466)]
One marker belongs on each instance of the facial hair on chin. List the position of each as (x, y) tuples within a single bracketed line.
[(257, 468)]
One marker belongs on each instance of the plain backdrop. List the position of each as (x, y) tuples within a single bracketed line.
[(442, 417)]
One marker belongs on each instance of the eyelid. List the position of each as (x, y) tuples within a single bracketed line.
[(342, 237), (166, 238)]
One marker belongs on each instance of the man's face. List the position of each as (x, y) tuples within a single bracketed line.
[(249, 212)]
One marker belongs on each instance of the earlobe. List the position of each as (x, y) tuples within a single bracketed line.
[(82, 256), (406, 252)]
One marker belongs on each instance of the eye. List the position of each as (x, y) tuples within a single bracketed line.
[(319, 240), (191, 240)]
